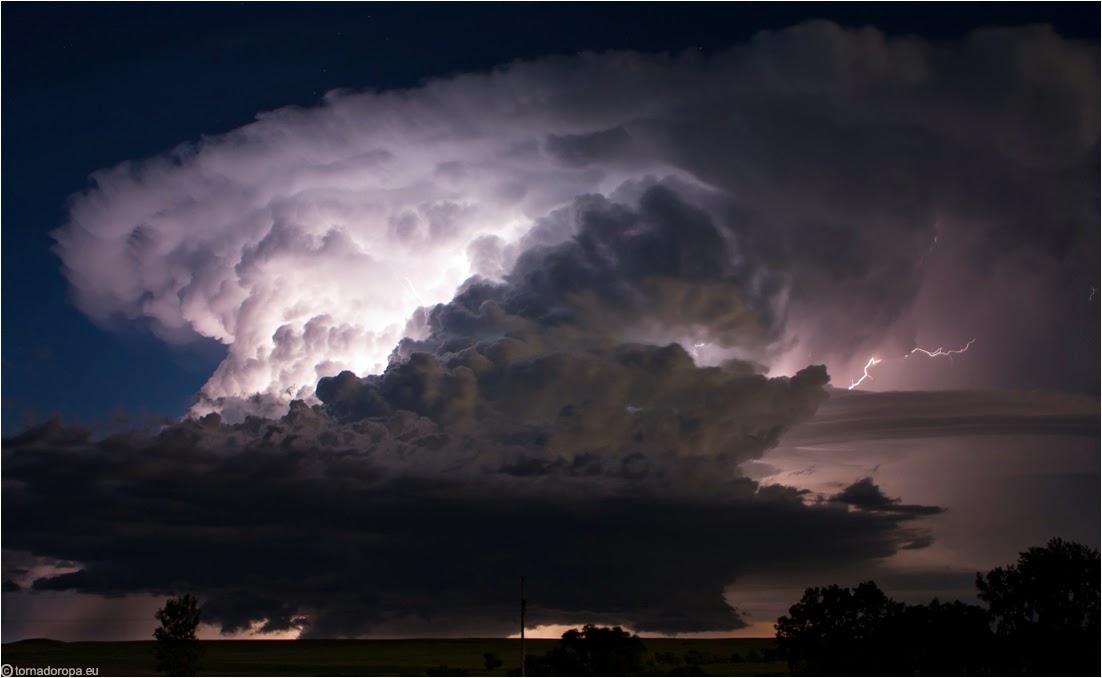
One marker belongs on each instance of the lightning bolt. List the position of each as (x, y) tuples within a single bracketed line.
[(866, 375), (1093, 290), (941, 351), (696, 347), (409, 282), (414, 290), (933, 354)]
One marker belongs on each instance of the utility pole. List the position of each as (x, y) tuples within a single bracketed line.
[(523, 604)]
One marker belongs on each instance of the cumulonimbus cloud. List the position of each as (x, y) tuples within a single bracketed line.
[(829, 161), (520, 322)]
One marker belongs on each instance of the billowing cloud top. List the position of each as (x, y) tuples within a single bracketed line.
[(854, 192)]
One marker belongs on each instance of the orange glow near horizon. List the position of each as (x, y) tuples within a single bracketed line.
[(756, 629)]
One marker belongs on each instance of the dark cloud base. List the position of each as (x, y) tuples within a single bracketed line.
[(328, 538)]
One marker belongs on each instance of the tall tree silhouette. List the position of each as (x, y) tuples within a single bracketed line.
[(177, 643), (1044, 610), (1045, 607), (833, 630), (592, 651)]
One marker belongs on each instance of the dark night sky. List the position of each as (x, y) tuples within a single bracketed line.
[(695, 224)]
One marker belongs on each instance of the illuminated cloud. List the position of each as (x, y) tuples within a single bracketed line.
[(830, 163)]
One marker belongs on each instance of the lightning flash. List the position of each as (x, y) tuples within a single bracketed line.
[(415, 292), (918, 349), (866, 375), (941, 351)]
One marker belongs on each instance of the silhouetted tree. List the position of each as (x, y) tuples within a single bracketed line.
[(936, 640), (1046, 608), (592, 651), (835, 630), (1044, 611), (177, 644)]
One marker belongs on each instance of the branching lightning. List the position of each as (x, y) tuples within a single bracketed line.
[(866, 375), (933, 354), (941, 351)]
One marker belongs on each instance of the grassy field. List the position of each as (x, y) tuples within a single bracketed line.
[(378, 657)]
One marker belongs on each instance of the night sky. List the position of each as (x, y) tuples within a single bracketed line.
[(342, 317)]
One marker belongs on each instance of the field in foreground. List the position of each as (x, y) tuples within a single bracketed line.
[(736, 656)]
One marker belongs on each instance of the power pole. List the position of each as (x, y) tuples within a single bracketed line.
[(523, 604)]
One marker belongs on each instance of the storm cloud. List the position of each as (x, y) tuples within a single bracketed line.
[(530, 321), (518, 437), (865, 495), (868, 193), (924, 414), (396, 525)]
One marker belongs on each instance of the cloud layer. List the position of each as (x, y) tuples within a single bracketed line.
[(406, 523), (866, 194), (393, 525)]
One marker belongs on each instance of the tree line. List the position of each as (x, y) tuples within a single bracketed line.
[(1040, 617)]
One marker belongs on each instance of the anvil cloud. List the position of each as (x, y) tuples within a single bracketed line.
[(848, 175)]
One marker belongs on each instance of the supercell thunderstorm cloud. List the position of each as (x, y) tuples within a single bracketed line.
[(536, 320), (838, 169)]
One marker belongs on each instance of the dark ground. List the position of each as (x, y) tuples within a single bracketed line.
[(377, 657)]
